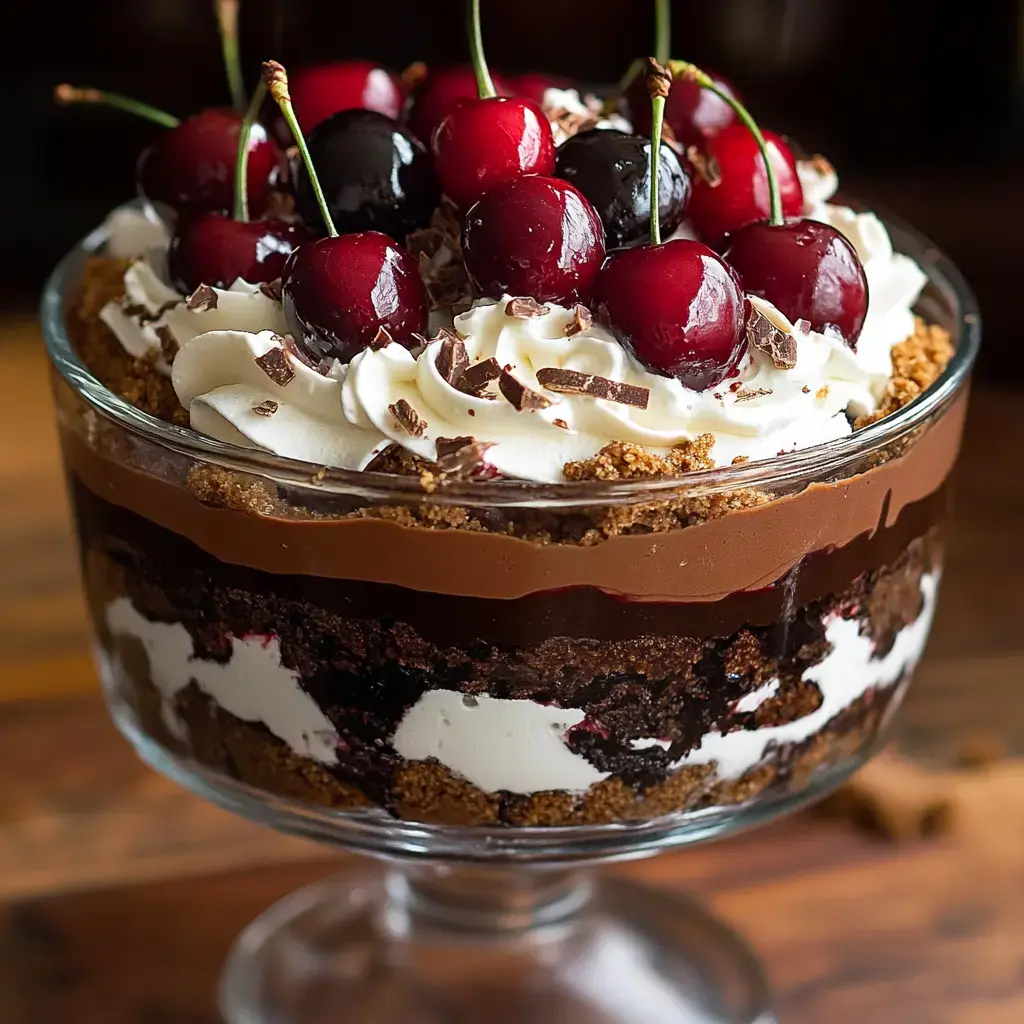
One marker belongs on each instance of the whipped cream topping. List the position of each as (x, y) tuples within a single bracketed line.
[(152, 311), (568, 113), (133, 233)]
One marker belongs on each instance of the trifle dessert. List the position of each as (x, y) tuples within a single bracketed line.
[(497, 461)]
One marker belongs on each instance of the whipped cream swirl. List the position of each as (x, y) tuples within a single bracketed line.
[(152, 314)]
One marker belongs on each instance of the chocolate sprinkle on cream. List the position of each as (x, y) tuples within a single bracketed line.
[(288, 344), (478, 376), (774, 342), (452, 360), (705, 166), (202, 299), (267, 408), (561, 423), (525, 308), (408, 418), (572, 382), (519, 395), (582, 320), (381, 339), (168, 344), (272, 289), (746, 394), (274, 363), (461, 456)]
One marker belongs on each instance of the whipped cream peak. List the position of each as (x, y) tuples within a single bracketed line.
[(154, 320), (570, 113)]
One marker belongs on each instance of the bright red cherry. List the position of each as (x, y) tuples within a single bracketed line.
[(534, 84), (741, 196), (691, 112), (338, 292), (535, 236), (678, 308), (484, 143), (191, 167), (437, 96), (807, 270), (214, 249)]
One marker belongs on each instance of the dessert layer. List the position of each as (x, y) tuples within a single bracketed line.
[(744, 550)]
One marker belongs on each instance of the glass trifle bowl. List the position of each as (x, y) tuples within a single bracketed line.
[(492, 687)]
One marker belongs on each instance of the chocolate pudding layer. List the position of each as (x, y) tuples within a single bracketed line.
[(506, 665)]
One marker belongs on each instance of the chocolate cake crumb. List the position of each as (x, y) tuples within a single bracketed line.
[(220, 489), (916, 364), (202, 299), (822, 393), (525, 308), (274, 363), (624, 460), (582, 320), (518, 395), (407, 418), (168, 343)]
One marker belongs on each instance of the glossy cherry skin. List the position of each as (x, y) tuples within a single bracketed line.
[(806, 270), (535, 236), (678, 307), (437, 96), (191, 167), (741, 197), (375, 175), (533, 84), (324, 89), (339, 291), (612, 169), (213, 249), (484, 143), (693, 114)]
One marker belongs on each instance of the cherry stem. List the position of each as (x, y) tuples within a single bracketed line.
[(662, 31), (484, 82), (227, 20), (659, 81), (242, 160), (66, 94), (276, 79), (683, 69)]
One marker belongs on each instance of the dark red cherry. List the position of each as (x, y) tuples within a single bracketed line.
[(375, 175), (691, 112), (807, 270), (741, 195), (484, 143), (613, 170), (339, 291), (533, 84), (678, 307), (437, 96), (216, 250), (191, 168), (535, 236), (324, 89)]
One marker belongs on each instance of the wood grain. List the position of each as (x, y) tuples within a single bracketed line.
[(122, 893)]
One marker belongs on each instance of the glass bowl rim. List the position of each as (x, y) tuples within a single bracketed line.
[(814, 462)]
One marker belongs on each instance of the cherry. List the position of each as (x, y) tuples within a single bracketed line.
[(191, 167), (437, 96), (692, 113), (807, 270), (487, 141), (338, 292), (534, 84), (535, 236), (376, 175), (612, 169), (216, 250), (741, 196), (676, 305)]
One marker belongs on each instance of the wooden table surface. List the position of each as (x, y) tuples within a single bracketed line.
[(120, 894)]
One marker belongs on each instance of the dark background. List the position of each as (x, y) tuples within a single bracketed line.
[(919, 104)]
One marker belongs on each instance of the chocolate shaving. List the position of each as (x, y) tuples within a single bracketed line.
[(168, 343), (267, 408), (452, 360), (771, 340), (478, 376), (381, 339), (705, 166), (408, 418), (288, 344), (272, 289), (462, 456), (519, 395), (746, 394), (525, 308), (426, 242), (582, 320), (202, 299), (274, 363), (444, 332), (567, 123), (572, 382), (561, 423), (143, 316)]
